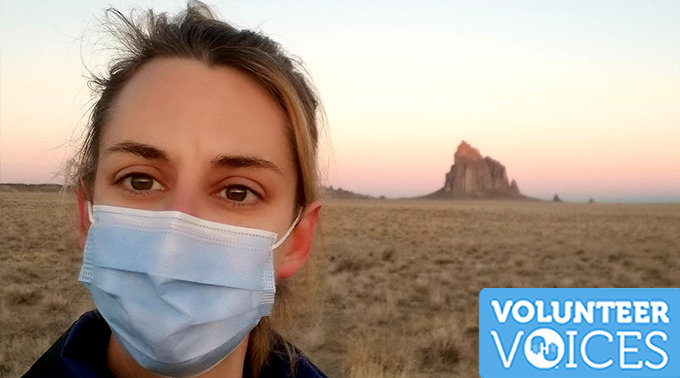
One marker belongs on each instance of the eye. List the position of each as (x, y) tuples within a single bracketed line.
[(240, 193), (140, 182)]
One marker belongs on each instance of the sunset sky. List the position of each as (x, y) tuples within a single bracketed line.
[(578, 98)]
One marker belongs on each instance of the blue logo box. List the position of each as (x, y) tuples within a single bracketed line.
[(579, 333)]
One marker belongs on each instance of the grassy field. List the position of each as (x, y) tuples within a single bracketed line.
[(401, 278)]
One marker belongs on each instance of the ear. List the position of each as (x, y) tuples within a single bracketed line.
[(83, 217), (299, 245)]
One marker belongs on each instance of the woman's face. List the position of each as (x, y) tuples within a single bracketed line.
[(206, 141)]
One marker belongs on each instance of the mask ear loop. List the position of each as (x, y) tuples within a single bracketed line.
[(89, 212), (287, 233)]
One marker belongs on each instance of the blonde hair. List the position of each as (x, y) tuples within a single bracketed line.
[(197, 34)]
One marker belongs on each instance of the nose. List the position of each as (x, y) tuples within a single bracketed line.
[(184, 199)]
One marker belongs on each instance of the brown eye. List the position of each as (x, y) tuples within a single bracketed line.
[(240, 195), (236, 193), (140, 182)]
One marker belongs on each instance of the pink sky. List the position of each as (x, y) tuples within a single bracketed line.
[(579, 99)]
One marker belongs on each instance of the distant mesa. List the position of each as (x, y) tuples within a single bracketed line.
[(557, 198), (591, 201), (26, 188), (474, 176), (328, 192)]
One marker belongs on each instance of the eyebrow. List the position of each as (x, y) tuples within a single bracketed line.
[(140, 149), (222, 161), (241, 161)]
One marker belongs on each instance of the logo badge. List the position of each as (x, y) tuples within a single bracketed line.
[(579, 333)]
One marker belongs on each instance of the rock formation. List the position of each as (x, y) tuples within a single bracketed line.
[(474, 176), (340, 193), (25, 188), (557, 198)]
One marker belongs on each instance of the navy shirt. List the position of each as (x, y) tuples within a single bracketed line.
[(81, 352)]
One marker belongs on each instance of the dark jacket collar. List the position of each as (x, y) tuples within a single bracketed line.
[(81, 352)]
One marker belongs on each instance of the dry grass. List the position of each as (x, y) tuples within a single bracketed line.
[(39, 263), (402, 277)]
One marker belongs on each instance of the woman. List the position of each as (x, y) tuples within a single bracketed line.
[(197, 194)]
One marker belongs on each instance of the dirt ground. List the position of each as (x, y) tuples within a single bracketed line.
[(399, 279)]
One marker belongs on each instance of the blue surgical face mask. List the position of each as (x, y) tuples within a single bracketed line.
[(179, 293)]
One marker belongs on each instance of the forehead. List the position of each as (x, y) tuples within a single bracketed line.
[(194, 111)]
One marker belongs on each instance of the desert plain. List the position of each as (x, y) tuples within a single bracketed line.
[(397, 281)]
